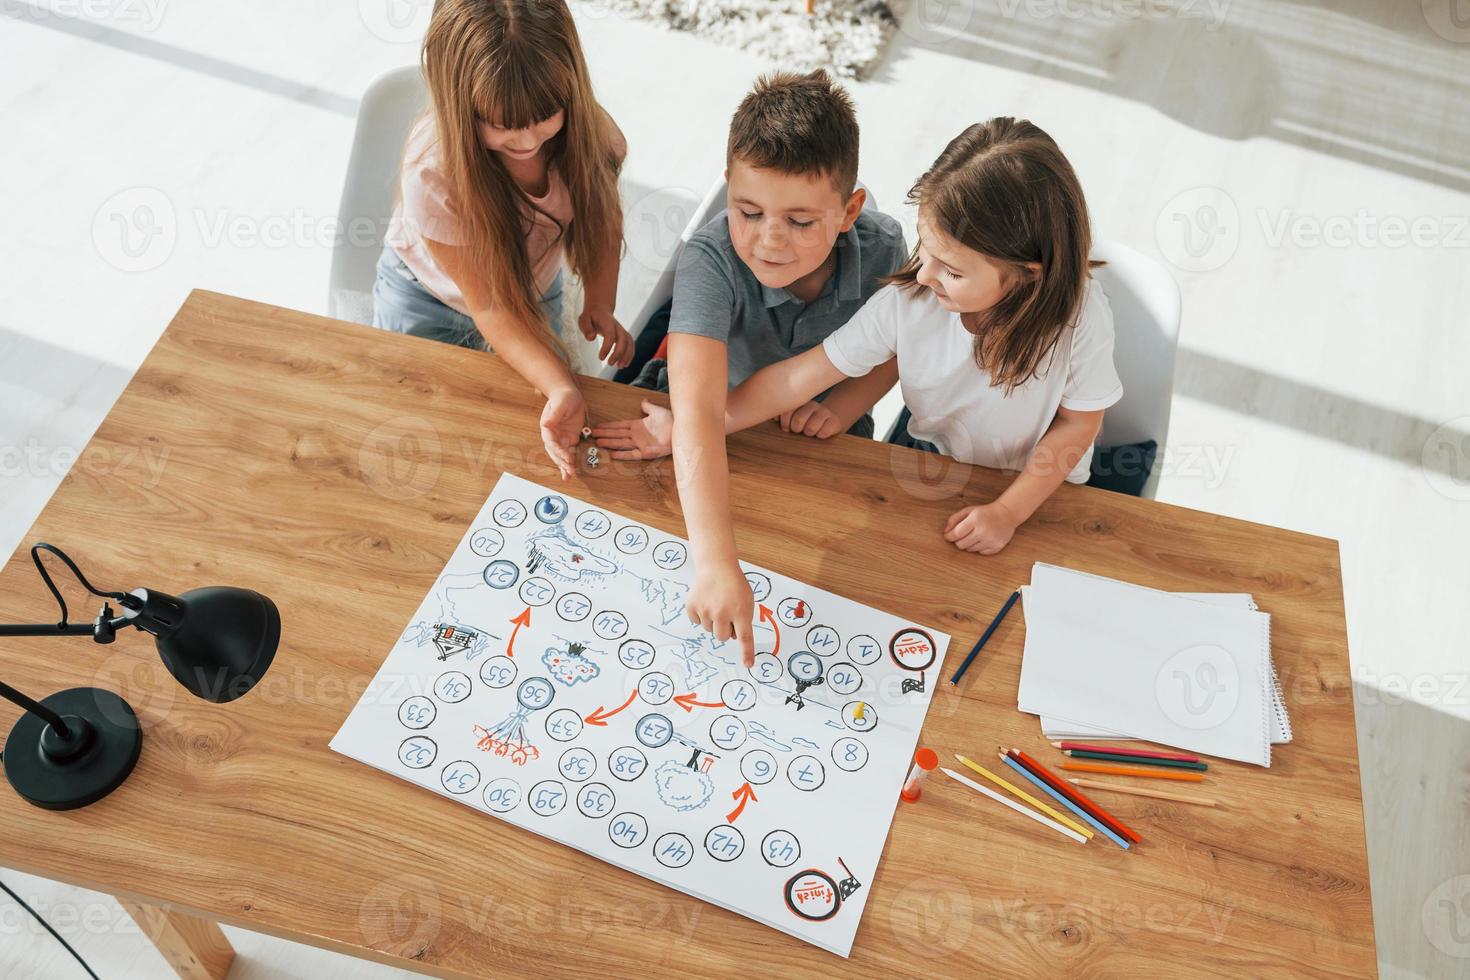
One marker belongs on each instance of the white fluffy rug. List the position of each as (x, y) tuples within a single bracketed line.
[(846, 37)]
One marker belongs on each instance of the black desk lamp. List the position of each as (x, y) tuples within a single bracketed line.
[(76, 746)]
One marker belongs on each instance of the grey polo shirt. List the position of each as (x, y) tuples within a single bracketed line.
[(716, 295)]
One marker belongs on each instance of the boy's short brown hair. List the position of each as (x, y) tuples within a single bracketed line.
[(797, 124)]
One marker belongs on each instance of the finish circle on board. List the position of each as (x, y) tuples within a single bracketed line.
[(812, 895)]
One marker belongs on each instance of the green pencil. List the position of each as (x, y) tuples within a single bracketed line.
[(1136, 760)]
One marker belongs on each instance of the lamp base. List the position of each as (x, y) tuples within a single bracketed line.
[(66, 774)]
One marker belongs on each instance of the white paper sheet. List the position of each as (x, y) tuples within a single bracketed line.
[(551, 678)]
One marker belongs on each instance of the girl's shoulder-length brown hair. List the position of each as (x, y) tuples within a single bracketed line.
[(515, 63), (1004, 189)]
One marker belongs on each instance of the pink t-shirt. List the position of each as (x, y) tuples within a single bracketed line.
[(424, 210)]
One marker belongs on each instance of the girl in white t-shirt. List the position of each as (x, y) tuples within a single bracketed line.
[(512, 172), (1004, 340)]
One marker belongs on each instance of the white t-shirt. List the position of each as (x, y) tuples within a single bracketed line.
[(952, 401)]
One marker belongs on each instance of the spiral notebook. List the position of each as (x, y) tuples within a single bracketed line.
[(1113, 657)]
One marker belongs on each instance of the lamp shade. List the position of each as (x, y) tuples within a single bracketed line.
[(217, 642)]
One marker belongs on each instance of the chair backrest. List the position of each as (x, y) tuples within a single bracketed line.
[(388, 108), (1146, 309)]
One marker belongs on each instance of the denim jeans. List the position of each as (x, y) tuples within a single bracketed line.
[(403, 305)]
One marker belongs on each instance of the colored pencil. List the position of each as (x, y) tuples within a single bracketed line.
[(1136, 760), (1022, 794), (1055, 782), (1108, 769), (985, 637), (1021, 770), (1124, 750), (987, 791), (1140, 791)]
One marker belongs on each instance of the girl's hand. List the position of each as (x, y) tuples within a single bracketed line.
[(617, 343), (984, 528), (721, 602), (647, 438), (812, 419), (561, 427)]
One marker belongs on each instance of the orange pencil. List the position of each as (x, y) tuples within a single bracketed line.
[(1180, 776)]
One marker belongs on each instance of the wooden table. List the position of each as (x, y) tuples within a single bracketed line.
[(335, 467)]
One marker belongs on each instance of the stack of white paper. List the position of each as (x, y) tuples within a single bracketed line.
[(1109, 659)]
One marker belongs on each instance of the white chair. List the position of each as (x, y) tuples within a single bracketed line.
[(388, 108), (1146, 309)]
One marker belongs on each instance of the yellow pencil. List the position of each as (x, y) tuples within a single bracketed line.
[(1068, 821)]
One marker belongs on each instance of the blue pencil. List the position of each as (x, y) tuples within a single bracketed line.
[(985, 636), (1064, 801)]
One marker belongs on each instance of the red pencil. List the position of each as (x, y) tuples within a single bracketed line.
[(1115, 750), (1071, 793)]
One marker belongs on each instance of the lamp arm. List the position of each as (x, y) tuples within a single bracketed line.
[(102, 631)]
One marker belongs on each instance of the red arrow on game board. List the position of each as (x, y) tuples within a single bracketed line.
[(687, 702), (743, 795), (524, 619), (600, 717), (769, 617)]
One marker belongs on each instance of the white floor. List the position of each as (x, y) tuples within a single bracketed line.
[(1303, 166)]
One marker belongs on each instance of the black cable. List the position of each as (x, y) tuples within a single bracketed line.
[(129, 601), (37, 916)]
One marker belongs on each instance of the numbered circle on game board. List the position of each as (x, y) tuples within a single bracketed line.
[(417, 712), (563, 724), (551, 509), (573, 607), (498, 671), (673, 850), (486, 542), (592, 524), (654, 730), (794, 612), (804, 666), (502, 795), (460, 777), (655, 687), (727, 731), (823, 641), (738, 695), (812, 895), (758, 767), (547, 797), (724, 843), (806, 772), (537, 591), (670, 555), (912, 649), (501, 574), (452, 687), (849, 754), (863, 649), (627, 763), (577, 764), (780, 848), (509, 513), (610, 625), (417, 752), (760, 585), (535, 693), (627, 829), (636, 654), (766, 669), (860, 716), (631, 539), (844, 678), (596, 800)]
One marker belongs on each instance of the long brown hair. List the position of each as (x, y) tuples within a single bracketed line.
[(1004, 189), (516, 63)]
